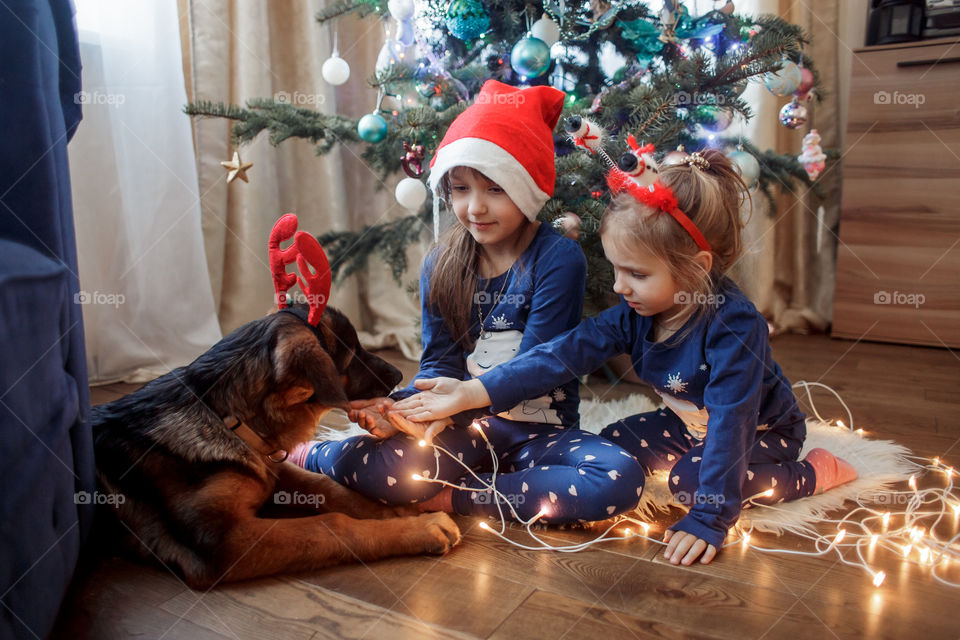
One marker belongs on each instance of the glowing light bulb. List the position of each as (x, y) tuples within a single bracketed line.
[(417, 476), (873, 540), (746, 539), (484, 526), (841, 425), (626, 532), (886, 519), (768, 492), (913, 482), (907, 549), (878, 578), (422, 443), (840, 536), (859, 432), (936, 462), (646, 527), (924, 555), (956, 509)]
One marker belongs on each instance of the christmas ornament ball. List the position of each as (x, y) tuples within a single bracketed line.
[(714, 118), (467, 19), (784, 81), (546, 29), (530, 57), (410, 193), (747, 165), (806, 82), (372, 128), (335, 70), (793, 115), (401, 10), (674, 157)]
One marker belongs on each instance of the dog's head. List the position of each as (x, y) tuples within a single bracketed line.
[(281, 374)]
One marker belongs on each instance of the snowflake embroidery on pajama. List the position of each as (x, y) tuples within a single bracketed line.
[(675, 383), (703, 367), (500, 322), (558, 395)]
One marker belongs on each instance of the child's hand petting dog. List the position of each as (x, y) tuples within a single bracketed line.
[(372, 415), (442, 397), (426, 431), (683, 547)]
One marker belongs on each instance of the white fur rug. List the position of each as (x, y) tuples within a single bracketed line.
[(879, 464)]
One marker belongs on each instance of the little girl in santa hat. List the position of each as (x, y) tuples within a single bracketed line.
[(497, 284)]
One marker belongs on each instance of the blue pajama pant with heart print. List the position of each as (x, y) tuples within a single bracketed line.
[(572, 474), (660, 440)]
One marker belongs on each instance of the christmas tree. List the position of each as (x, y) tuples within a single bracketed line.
[(667, 78)]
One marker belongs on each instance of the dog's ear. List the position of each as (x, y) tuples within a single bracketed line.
[(304, 371)]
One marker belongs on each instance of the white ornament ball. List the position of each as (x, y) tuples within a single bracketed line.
[(401, 10), (410, 193), (335, 70), (676, 156), (546, 29)]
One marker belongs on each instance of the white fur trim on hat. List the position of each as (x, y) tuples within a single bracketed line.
[(494, 162)]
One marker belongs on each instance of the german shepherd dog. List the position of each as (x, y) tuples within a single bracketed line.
[(196, 454)]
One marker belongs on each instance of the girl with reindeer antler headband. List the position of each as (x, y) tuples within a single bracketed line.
[(732, 430)]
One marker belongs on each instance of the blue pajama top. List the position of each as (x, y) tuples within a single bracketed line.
[(720, 379), (538, 298)]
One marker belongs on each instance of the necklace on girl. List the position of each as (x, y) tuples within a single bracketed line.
[(493, 302)]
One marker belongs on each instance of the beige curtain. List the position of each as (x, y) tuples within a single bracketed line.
[(787, 271), (235, 50)]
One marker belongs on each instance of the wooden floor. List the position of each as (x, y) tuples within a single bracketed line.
[(488, 589)]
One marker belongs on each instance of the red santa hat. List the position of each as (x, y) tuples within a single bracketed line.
[(507, 135)]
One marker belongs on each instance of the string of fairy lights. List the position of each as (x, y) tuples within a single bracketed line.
[(914, 534)]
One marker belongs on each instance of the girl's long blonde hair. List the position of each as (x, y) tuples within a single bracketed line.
[(711, 197), (456, 269)]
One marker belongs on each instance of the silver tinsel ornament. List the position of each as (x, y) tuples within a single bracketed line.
[(793, 115)]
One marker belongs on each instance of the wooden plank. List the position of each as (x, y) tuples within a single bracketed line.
[(549, 616), (287, 609), (429, 590)]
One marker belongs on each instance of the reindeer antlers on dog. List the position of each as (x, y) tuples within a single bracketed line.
[(307, 253)]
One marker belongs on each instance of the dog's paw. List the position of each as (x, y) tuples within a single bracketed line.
[(443, 532)]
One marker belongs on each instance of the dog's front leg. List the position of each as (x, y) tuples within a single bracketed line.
[(255, 547), (325, 494)]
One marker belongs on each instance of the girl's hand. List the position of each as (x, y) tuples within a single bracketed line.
[(425, 431), (442, 397), (685, 547), (372, 415)]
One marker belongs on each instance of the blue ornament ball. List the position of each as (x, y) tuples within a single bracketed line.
[(467, 19), (747, 165), (784, 81), (530, 57), (372, 128)]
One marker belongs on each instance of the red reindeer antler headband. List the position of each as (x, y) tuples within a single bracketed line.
[(590, 136), (307, 253)]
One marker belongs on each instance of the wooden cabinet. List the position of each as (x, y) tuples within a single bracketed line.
[(898, 263)]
